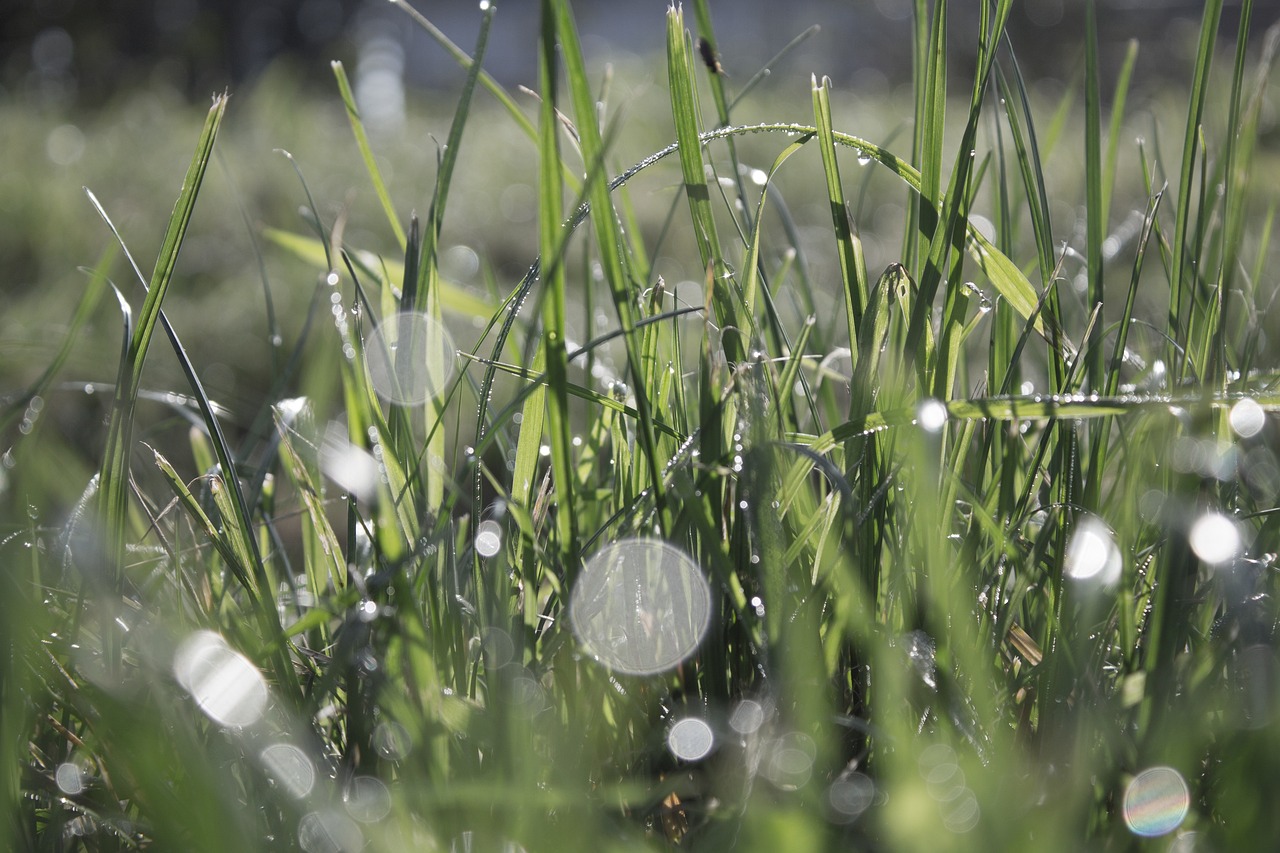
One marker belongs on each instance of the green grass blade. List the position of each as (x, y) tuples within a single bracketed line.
[(366, 153)]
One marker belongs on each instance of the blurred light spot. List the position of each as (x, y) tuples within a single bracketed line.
[(290, 768), (460, 263), (1092, 554), (517, 203), (1215, 538), (640, 606), (411, 357), (790, 762), (498, 648), (223, 683), (64, 145), (367, 799), (488, 538), (1247, 418), (747, 717), (963, 813), (932, 415), (759, 177), (52, 51), (983, 226), (70, 778), (392, 740), (690, 739), (329, 832), (351, 467), (1156, 801), (379, 84), (850, 796)]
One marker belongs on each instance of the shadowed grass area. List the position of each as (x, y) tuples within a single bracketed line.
[(809, 485)]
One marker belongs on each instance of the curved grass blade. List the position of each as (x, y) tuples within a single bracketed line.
[(366, 152)]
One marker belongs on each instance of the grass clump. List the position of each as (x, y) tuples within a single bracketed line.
[(954, 555)]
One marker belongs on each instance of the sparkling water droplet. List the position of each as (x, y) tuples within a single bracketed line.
[(863, 158)]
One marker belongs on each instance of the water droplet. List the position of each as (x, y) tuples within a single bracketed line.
[(1156, 802), (411, 357), (332, 279), (690, 739), (223, 683), (1247, 418), (640, 606), (1215, 538), (488, 538), (863, 158)]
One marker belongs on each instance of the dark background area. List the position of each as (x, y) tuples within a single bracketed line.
[(80, 53)]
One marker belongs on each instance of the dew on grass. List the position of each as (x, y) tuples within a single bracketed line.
[(1156, 802), (747, 717), (367, 799), (223, 683), (690, 739), (1092, 555), (290, 768), (488, 538), (329, 832), (931, 415), (640, 606), (864, 158), (411, 357), (1215, 538), (850, 796), (1247, 418), (392, 740)]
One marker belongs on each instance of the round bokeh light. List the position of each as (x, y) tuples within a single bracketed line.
[(226, 686), (1156, 802), (411, 357), (640, 606), (690, 739)]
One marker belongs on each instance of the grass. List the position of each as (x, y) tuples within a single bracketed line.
[(969, 550)]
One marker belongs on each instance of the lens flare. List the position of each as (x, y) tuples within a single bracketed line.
[(640, 606), (1156, 802), (223, 683)]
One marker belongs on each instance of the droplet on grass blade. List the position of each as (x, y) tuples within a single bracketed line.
[(411, 357), (690, 739), (1156, 802), (1215, 538), (223, 683), (640, 606)]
